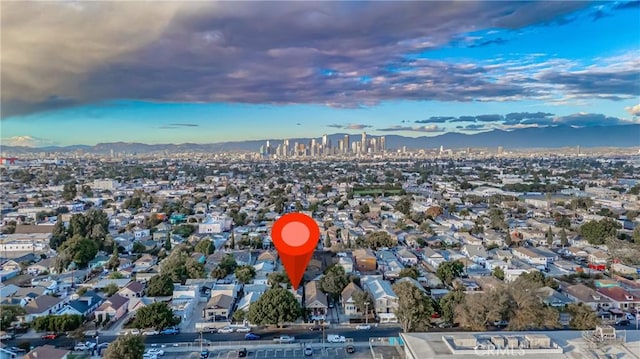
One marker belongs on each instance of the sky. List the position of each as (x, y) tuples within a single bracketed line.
[(87, 72)]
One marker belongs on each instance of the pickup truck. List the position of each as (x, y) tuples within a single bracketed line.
[(284, 339)]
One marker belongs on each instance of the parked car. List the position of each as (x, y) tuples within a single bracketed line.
[(149, 356), (332, 338), (242, 353), (363, 327), (150, 332), (6, 336), (284, 339), (155, 351), (170, 331), (103, 345), (623, 323), (80, 347), (243, 330), (135, 332), (351, 349), (308, 351), (315, 328), (225, 330), (500, 323), (251, 336), (204, 354), (49, 336)]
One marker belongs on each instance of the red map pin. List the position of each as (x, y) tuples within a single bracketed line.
[(295, 236)]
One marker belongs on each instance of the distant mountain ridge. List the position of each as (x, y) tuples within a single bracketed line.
[(541, 137)]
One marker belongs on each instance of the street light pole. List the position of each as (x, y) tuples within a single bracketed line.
[(366, 313)]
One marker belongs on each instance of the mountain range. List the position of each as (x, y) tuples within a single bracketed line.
[(535, 137)]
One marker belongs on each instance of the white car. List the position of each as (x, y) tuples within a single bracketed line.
[(149, 356), (150, 332), (332, 338), (243, 330), (363, 327), (135, 332), (80, 347), (225, 330), (154, 351)]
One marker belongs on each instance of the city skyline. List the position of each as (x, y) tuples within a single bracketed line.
[(194, 72)]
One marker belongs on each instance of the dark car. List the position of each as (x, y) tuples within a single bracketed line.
[(351, 349), (315, 328), (251, 336), (242, 353), (623, 323), (204, 354)]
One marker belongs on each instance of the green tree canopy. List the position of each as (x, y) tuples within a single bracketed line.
[(448, 271), (410, 272), (180, 266), (155, 315), (582, 317), (245, 274), (498, 273), (111, 289), (275, 307), (414, 307), (125, 347), (277, 278), (160, 285), (379, 239), (82, 250), (9, 314), (205, 247), (597, 232), (449, 303), (57, 323), (334, 281)]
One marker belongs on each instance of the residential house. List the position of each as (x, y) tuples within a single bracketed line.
[(475, 252), (385, 299), (620, 298), (99, 261), (432, 257), (598, 257), (218, 307), (113, 308), (346, 263), (41, 306), (552, 298), (83, 305), (365, 260), (533, 255), (44, 266), (315, 299), (133, 289), (47, 352), (145, 262), (580, 293), (407, 257), (348, 302)]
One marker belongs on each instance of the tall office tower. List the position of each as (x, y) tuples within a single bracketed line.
[(329, 149), (341, 146), (363, 143), (382, 144), (313, 147), (578, 150), (262, 150), (279, 151), (346, 144), (296, 148), (285, 148), (441, 149), (325, 144), (374, 145), (500, 150), (355, 147), (468, 150)]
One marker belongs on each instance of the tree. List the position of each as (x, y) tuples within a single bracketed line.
[(114, 261), (449, 303), (205, 247), (364, 209), (597, 232), (58, 235), (361, 299), (239, 315), (496, 219), (498, 273), (167, 244), (245, 274), (379, 239), (564, 241), (277, 278), (125, 347), (111, 289), (160, 285), (155, 315), (275, 307), (535, 280), (404, 205), (180, 266), (232, 241), (526, 310), (636, 235), (57, 323), (327, 241), (549, 236), (218, 273), (414, 307), (582, 317), (410, 272), (334, 281), (478, 310), (69, 191), (9, 314), (448, 271), (138, 247), (82, 250)]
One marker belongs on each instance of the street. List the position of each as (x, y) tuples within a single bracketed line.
[(299, 333)]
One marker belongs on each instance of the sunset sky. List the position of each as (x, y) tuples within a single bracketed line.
[(77, 72)]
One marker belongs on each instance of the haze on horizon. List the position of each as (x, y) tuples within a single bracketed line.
[(79, 72)]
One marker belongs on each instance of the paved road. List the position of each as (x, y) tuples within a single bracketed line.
[(300, 334)]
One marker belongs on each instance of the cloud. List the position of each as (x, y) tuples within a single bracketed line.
[(633, 110), (173, 126), (351, 126), (431, 128), (475, 127), (259, 52), (436, 119), (589, 120), (26, 141)]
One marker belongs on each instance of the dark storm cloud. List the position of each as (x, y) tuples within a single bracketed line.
[(475, 127), (615, 84), (339, 54), (489, 118), (436, 119)]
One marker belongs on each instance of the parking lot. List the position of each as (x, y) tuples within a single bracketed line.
[(337, 353)]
